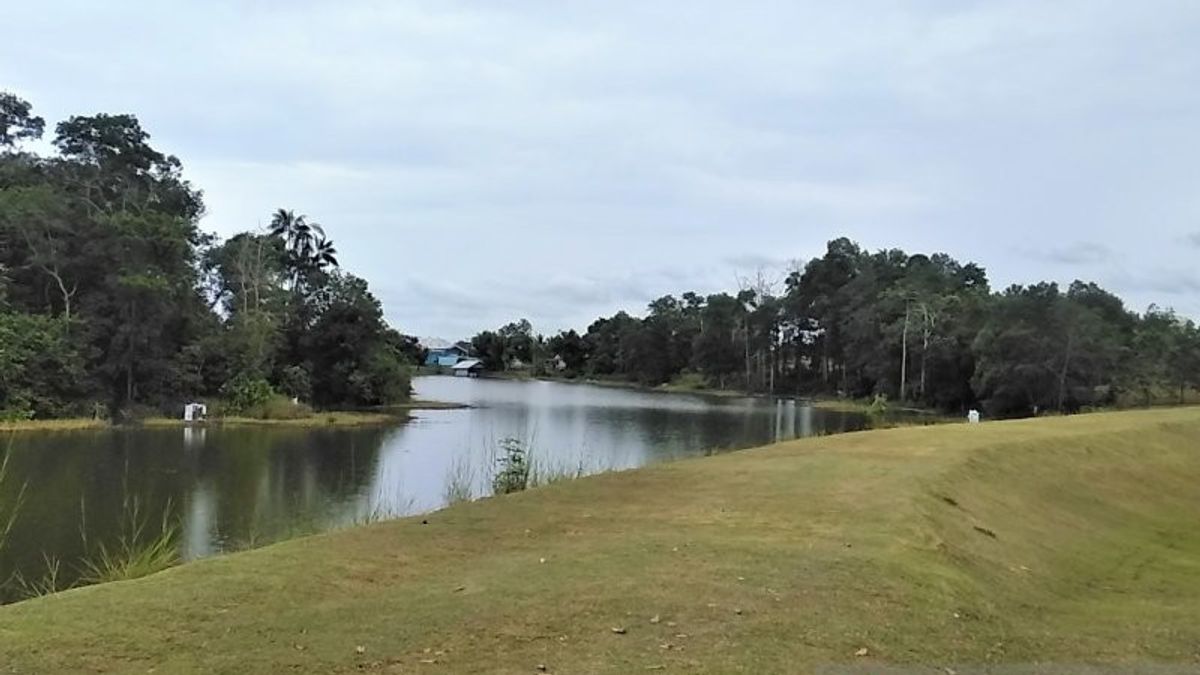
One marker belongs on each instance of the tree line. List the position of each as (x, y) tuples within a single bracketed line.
[(112, 299), (916, 329)]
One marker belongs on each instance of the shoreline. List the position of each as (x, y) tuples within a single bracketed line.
[(829, 403), (334, 418)]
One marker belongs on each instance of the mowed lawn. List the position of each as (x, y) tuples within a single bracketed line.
[(1053, 541)]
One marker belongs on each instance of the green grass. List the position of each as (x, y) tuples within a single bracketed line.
[(317, 419), (71, 424), (421, 404), (1050, 541)]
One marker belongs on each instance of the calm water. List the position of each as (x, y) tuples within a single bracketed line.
[(241, 487)]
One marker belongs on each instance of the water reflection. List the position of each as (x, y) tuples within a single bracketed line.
[(231, 488)]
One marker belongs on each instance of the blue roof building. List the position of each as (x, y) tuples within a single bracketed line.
[(444, 354)]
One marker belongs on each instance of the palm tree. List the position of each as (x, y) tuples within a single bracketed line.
[(324, 254), (283, 224), (307, 247), (296, 232)]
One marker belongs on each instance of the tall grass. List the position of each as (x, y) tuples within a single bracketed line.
[(51, 581), (460, 482), (542, 473), (9, 511), (140, 549), (8, 518), (519, 468), (388, 504), (143, 547)]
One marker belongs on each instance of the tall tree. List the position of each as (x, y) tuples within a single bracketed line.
[(17, 121)]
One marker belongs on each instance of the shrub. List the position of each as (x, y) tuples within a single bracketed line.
[(278, 407), (879, 406), (514, 468), (689, 380), (243, 393), (18, 410)]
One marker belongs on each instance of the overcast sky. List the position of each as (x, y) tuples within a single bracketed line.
[(483, 161)]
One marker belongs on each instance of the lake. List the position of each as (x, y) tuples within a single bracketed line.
[(239, 487)]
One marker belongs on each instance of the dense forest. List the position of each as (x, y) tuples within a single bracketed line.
[(919, 329), (114, 303)]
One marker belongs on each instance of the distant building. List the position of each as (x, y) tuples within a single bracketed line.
[(443, 354), (195, 412), (468, 368)]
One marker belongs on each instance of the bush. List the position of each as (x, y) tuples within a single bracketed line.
[(278, 407), (690, 381), (514, 468), (18, 410), (244, 393), (878, 407)]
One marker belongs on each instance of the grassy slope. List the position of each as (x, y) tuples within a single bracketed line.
[(771, 560)]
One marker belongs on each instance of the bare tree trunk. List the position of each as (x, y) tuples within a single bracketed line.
[(774, 363), (1062, 376), (825, 359), (746, 342), (925, 347), (62, 287), (904, 357)]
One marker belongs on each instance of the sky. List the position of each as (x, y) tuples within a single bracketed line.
[(479, 162)]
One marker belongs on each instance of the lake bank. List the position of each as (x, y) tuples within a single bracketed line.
[(333, 419), (829, 403), (1060, 540), (336, 418)]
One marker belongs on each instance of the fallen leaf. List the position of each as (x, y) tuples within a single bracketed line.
[(862, 652), (656, 619), (619, 631)]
